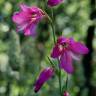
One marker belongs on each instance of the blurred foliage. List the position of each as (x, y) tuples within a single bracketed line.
[(22, 58)]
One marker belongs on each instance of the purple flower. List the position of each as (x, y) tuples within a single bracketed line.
[(66, 93), (52, 3), (27, 19), (44, 76), (67, 49)]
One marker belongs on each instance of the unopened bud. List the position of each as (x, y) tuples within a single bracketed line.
[(66, 93)]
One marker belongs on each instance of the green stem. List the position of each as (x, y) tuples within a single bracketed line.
[(53, 33), (53, 29), (67, 82), (60, 87), (59, 76), (52, 64), (52, 24)]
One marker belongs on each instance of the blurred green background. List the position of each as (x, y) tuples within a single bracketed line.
[(22, 58)]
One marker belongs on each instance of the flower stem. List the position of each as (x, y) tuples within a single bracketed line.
[(53, 33), (52, 64), (53, 29), (52, 24), (67, 82), (60, 87)]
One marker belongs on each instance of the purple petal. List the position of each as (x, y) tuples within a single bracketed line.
[(54, 2), (24, 7), (20, 17), (21, 27), (75, 56), (61, 40), (66, 62), (30, 30), (66, 93), (79, 48), (56, 52), (17, 18), (44, 76)]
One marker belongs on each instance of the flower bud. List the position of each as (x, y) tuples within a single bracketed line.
[(43, 77), (52, 3), (66, 93)]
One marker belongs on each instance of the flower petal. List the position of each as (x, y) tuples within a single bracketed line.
[(20, 17), (24, 7), (66, 62), (21, 27), (16, 18), (30, 30), (66, 93), (54, 2), (44, 76), (56, 52), (75, 56), (79, 48), (61, 40)]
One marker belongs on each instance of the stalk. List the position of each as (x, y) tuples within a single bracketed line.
[(53, 29)]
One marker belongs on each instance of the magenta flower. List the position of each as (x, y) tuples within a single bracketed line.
[(67, 49), (44, 76), (27, 19), (52, 3), (66, 93)]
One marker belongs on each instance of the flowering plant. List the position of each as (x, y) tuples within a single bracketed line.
[(64, 49)]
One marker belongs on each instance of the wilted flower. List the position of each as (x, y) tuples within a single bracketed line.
[(67, 49), (54, 2), (44, 76), (66, 93), (27, 19)]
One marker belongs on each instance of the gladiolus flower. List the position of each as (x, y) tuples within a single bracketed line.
[(67, 49), (27, 19), (52, 3), (44, 76), (66, 93)]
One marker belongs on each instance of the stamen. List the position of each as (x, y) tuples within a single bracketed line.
[(33, 19), (60, 47), (34, 15)]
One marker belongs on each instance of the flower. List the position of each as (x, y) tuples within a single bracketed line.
[(27, 19), (52, 3), (44, 76), (66, 93), (67, 49)]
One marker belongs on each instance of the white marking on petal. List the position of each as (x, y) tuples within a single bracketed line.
[(75, 56)]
